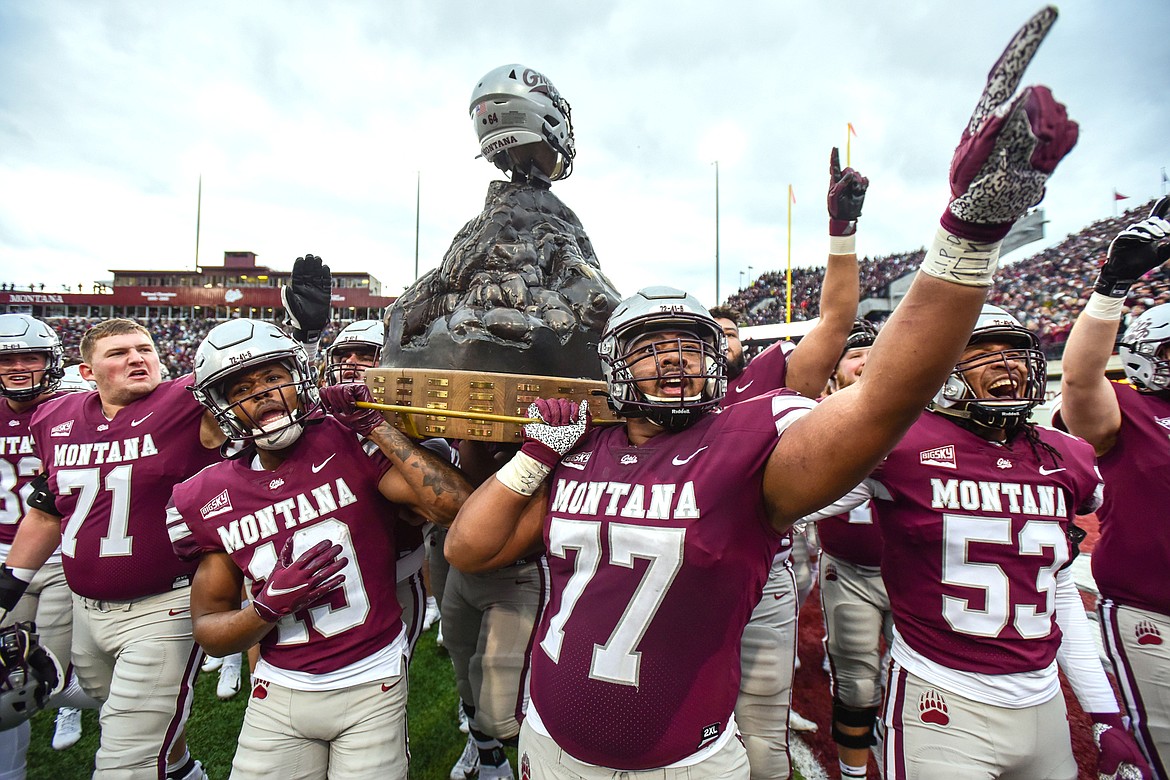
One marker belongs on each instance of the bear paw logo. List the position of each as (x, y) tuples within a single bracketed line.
[(831, 572), (525, 768), (1147, 633), (932, 708), (260, 691)]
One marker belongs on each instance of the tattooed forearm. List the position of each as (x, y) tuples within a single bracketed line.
[(439, 488)]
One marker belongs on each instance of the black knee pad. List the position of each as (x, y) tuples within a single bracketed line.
[(853, 718)]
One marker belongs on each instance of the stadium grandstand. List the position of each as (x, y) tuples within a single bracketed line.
[(180, 307), (1045, 290)]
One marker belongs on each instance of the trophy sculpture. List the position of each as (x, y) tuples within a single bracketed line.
[(518, 305)]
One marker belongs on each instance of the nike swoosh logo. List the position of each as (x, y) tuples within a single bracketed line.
[(281, 591), (136, 423), (741, 388), (684, 461), (174, 612), (321, 465), (386, 687), (1045, 472)]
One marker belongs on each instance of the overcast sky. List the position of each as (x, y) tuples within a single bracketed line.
[(311, 123)]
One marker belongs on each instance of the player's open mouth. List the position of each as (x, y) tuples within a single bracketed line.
[(139, 374), (1004, 387), (271, 415)]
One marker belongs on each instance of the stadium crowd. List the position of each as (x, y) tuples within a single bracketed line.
[(1045, 290)]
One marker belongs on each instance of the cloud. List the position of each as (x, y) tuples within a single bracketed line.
[(313, 126)]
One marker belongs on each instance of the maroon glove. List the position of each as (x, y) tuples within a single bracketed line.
[(846, 197), (558, 424), (294, 585), (1010, 146), (340, 401), (1118, 755)]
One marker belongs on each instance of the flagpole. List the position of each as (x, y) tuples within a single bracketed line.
[(198, 216), (1164, 180), (849, 145), (788, 294)]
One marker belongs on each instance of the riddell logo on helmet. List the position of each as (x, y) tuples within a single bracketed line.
[(943, 457), (500, 144)]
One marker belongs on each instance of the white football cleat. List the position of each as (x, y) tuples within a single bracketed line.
[(68, 729), (502, 772), (468, 764), (431, 616), (798, 722), (211, 663), (229, 677)]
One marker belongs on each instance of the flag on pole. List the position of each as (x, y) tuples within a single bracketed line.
[(852, 132), (791, 194), (1164, 177), (1118, 196)]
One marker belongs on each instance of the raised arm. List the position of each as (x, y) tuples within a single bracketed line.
[(504, 518), (814, 358), (1009, 148), (1088, 406)]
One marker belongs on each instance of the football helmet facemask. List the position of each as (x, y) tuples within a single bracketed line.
[(1140, 350), (243, 345), (362, 334), (678, 316), (29, 674), (22, 334), (1009, 402), (513, 105)]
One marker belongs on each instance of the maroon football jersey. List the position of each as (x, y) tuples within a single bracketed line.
[(327, 489), (974, 534), (766, 372), (18, 465), (657, 555), (852, 537), (1133, 553), (112, 480)]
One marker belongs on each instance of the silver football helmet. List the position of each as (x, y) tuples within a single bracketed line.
[(72, 382), (20, 333), (513, 105), (29, 674), (1012, 398), (362, 334), (242, 345), (663, 309), (1140, 350)]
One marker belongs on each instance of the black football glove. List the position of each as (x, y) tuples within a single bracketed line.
[(306, 298), (1141, 247)]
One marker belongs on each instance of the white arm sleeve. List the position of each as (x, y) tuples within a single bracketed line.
[(854, 498), (1077, 655)]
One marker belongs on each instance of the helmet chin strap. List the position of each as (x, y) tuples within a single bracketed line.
[(663, 400), (275, 437)]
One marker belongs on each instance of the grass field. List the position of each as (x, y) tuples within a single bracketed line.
[(435, 740)]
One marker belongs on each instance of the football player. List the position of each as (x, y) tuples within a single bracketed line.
[(647, 541), (307, 512), (356, 348), (854, 603), (768, 654), (31, 371), (1127, 426), (111, 459), (976, 508), (108, 458)]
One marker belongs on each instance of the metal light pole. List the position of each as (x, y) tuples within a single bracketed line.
[(716, 232)]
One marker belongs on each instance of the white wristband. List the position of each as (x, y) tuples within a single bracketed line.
[(310, 350), (1104, 307), (961, 260), (843, 245), (523, 474), (24, 575)]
